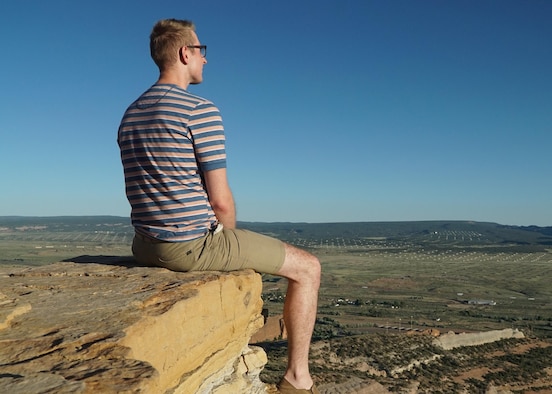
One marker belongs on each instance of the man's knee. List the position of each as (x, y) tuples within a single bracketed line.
[(300, 265), (315, 268)]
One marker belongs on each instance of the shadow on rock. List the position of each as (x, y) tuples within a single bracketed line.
[(122, 261)]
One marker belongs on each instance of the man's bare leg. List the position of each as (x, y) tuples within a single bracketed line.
[(303, 273)]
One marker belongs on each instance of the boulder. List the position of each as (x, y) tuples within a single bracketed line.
[(107, 325)]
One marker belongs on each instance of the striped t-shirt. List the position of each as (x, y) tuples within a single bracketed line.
[(168, 138)]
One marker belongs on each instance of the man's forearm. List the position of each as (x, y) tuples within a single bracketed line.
[(226, 214), (221, 197)]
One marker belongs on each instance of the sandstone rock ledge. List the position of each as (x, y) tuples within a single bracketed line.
[(113, 327)]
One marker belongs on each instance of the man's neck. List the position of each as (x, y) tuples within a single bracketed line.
[(173, 78)]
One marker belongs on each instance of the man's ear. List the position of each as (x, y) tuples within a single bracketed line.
[(184, 53)]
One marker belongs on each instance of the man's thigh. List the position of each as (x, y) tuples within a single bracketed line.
[(226, 250), (235, 249)]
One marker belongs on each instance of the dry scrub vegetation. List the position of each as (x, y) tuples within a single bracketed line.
[(378, 295), (403, 363)]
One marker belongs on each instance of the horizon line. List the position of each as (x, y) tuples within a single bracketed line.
[(285, 221)]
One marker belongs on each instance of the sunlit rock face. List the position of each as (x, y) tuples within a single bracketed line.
[(106, 325)]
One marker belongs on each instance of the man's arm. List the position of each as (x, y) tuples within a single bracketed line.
[(220, 196)]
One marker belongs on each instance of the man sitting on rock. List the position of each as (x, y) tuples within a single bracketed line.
[(173, 153)]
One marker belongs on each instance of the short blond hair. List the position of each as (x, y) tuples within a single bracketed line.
[(166, 39)]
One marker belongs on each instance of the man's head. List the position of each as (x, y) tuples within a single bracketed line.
[(173, 41)]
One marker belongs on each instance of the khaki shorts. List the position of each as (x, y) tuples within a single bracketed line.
[(220, 250)]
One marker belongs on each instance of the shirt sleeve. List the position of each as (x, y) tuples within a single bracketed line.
[(207, 131)]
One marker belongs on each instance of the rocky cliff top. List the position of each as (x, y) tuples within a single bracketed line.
[(105, 324)]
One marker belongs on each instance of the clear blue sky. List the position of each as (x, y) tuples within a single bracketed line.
[(334, 111)]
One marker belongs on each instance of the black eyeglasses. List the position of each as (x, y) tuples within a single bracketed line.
[(202, 49)]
